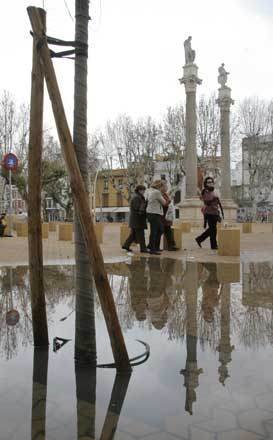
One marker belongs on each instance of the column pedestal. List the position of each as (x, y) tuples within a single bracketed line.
[(230, 210), (190, 211)]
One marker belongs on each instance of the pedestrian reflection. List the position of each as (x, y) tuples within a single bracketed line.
[(211, 292), (138, 285), (39, 392), (157, 298)]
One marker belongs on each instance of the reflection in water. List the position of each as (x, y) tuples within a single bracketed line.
[(188, 312), (86, 379), (191, 372), (39, 392), (225, 348), (115, 406)]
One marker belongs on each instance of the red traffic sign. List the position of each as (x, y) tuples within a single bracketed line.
[(10, 162), (12, 317)]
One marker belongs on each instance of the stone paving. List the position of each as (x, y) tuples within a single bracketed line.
[(256, 246)]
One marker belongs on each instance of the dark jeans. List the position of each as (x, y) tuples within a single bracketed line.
[(2, 229), (168, 232), (211, 232), (155, 221), (136, 235)]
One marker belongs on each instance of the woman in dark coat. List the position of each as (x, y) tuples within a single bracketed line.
[(137, 220)]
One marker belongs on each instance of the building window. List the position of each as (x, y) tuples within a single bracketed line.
[(163, 177), (105, 200), (105, 184), (119, 199)]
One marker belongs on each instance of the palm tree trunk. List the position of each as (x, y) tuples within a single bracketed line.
[(85, 334)]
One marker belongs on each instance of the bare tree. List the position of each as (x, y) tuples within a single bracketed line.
[(173, 143), (131, 146), (8, 121), (256, 118)]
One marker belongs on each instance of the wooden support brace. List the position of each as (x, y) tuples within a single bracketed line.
[(80, 198)]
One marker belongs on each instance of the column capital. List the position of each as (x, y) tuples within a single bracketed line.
[(190, 77), (224, 98)]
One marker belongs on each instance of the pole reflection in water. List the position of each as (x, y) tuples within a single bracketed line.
[(191, 371), (225, 348), (86, 380), (115, 406), (39, 392)]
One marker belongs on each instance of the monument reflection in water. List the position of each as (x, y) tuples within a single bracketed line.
[(188, 312)]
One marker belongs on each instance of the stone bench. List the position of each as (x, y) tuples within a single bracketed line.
[(21, 229), (229, 242), (52, 226), (184, 226), (65, 231), (45, 230), (247, 228)]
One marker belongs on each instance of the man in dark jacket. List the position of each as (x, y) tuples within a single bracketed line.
[(137, 221)]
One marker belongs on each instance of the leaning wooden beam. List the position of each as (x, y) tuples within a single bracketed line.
[(38, 306), (80, 198)]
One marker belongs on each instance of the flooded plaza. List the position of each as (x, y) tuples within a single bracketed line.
[(209, 375)]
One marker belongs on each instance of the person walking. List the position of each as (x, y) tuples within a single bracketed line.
[(155, 205), (137, 220), (168, 218), (211, 213)]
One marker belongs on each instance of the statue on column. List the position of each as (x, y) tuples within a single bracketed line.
[(222, 77), (189, 52)]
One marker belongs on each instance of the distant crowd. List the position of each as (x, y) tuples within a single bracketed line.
[(158, 209)]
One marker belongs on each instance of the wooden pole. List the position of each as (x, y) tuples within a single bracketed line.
[(38, 306), (80, 197)]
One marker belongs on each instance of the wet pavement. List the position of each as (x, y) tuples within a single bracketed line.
[(209, 376)]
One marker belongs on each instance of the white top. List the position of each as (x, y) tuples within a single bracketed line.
[(155, 202)]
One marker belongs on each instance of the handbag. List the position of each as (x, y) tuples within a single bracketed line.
[(170, 213)]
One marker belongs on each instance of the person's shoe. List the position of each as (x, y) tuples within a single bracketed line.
[(173, 248), (155, 253), (144, 250), (148, 246), (198, 242), (126, 249), (215, 248)]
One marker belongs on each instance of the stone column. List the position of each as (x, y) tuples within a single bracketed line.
[(191, 205), (225, 101)]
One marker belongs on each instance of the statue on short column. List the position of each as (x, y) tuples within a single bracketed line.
[(222, 77), (189, 52)]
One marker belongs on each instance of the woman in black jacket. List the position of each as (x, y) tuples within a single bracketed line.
[(137, 221)]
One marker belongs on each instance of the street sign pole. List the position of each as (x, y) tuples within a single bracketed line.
[(10, 206), (10, 162)]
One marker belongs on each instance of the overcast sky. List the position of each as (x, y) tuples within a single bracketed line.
[(136, 51)]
